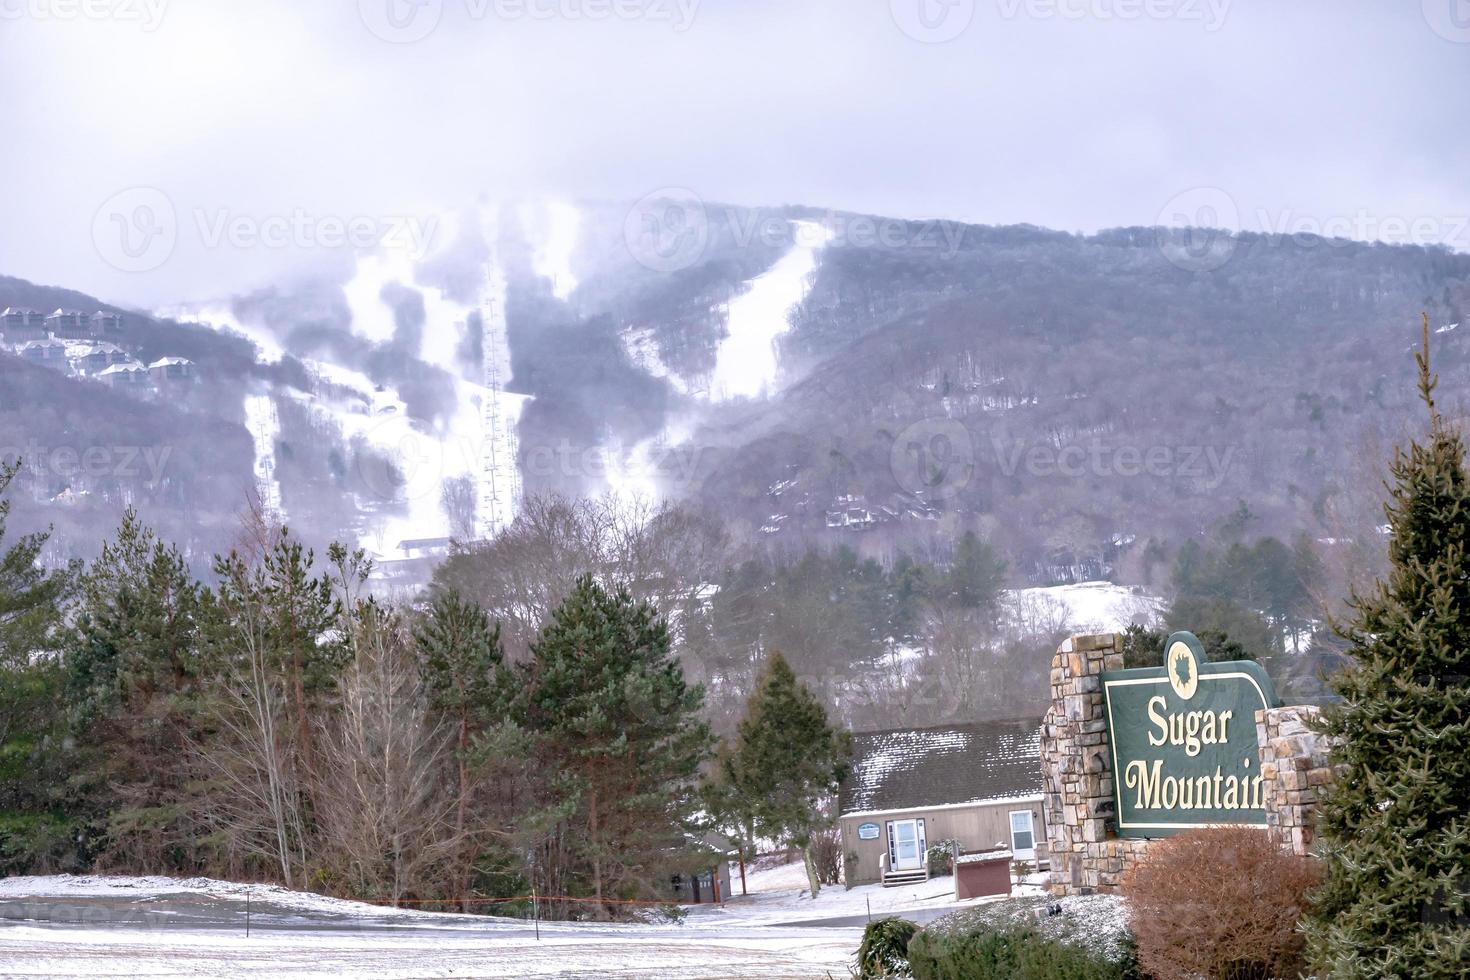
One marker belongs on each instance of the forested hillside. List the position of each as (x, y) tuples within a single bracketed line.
[(1088, 406)]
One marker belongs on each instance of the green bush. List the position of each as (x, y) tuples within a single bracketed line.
[(1019, 940), (884, 949), (940, 858)]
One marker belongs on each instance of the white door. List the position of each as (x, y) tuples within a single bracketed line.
[(1023, 836), (907, 853)]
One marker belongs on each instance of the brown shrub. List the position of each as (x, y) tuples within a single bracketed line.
[(1221, 903), (827, 855)]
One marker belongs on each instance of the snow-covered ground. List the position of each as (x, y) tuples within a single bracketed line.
[(780, 895), (555, 227), (264, 425), (746, 366), (671, 952), (1088, 607), (164, 927), (95, 926), (746, 363), (475, 441)]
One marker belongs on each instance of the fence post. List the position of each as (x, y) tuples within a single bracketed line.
[(247, 915), (535, 913)]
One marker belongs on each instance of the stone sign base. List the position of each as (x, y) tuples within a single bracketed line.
[(1087, 855)]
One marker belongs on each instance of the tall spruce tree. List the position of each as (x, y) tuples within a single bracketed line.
[(619, 742), (133, 670), (788, 761), (463, 667), (33, 836), (1395, 823), (731, 802)]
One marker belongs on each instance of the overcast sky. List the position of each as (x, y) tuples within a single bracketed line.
[(1074, 114)]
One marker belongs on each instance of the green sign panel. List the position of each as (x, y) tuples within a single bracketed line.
[(1184, 741)]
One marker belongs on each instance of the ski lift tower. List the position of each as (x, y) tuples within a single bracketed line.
[(500, 477)]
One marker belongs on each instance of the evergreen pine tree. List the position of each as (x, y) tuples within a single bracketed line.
[(1395, 823), (977, 574), (32, 599), (305, 615), (619, 743), (731, 803), (463, 667), (133, 671), (788, 760)]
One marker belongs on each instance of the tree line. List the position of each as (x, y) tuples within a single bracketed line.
[(281, 723)]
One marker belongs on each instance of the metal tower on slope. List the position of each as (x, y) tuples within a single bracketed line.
[(500, 477)]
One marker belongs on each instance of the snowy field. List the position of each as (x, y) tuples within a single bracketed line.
[(96, 926), (779, 895), (1087, 607)]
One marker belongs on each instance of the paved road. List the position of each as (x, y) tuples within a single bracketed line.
[(196, 935), (191, 911), (921, 916), (187, 911)]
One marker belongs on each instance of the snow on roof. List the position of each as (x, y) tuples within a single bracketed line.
[(1001, 854), (962, 764), (170, 361), (128, 368)]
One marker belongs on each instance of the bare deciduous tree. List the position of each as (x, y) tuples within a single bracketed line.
[(386, 825), (662, 554), (254, 798)]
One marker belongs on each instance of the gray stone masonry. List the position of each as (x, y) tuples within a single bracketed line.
[(1087, 855)]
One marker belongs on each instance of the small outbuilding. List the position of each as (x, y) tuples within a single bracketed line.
[(978, 786), (705, 877)]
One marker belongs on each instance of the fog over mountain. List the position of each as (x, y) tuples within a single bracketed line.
[(1317, 115), (387, 271)]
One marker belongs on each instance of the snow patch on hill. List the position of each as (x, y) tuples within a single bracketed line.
[(264, 425), (554, 227), (1086, 607), (746, 365)]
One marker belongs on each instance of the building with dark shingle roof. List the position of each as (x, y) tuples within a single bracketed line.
[(979, 785), (19, 324)]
